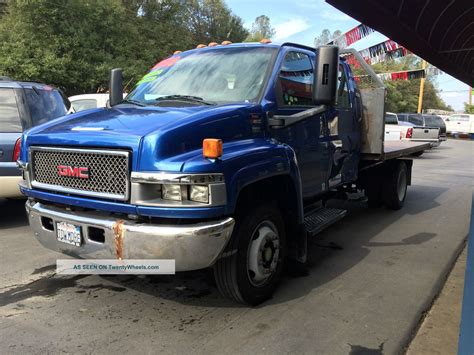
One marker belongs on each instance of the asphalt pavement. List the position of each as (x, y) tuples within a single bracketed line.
[(371, 278)]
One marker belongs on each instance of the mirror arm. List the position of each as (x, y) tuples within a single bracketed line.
[(280, 121)]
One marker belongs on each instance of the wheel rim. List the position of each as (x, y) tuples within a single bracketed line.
[(402, 185), (263, 253)]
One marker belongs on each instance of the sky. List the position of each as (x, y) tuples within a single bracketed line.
[(300, 21)]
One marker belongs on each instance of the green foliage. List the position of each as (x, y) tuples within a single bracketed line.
[(468, 108), (212, 21), (73, 44), (402, 96), (261, 29)]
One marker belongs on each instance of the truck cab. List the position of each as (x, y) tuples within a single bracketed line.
[(220, 157)]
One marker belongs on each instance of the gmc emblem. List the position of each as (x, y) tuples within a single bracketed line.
[(73, 171)]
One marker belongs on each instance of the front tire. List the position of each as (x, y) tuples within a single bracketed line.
[(250, 267)]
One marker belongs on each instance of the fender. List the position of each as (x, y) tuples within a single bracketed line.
[(248, 161)]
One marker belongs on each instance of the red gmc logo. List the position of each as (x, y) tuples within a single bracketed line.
[(73, 171)]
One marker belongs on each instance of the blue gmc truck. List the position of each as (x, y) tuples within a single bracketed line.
[(222, 157)]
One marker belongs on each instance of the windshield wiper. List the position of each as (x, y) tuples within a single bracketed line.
[(133, 102), (184, 98)]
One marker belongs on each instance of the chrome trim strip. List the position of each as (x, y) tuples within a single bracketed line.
[(174, 178), (67, 190), (60, 189), (82, 150)]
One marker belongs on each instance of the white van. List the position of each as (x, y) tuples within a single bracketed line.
[(461, 123)]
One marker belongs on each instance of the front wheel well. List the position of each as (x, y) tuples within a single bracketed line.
[(279, 189)]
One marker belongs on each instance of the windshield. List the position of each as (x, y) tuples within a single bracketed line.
[(45, 105), (434, 121), (222, 75)]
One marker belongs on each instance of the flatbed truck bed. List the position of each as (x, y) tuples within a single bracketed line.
[(397, 149)]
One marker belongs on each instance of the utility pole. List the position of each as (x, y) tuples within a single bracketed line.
[(422, 86)]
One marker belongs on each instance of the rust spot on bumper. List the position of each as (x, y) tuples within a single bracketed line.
[(118, 238)]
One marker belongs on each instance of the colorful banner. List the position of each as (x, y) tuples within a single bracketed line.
[(352, 36), (400, 75), (378, 53), (383, 51)]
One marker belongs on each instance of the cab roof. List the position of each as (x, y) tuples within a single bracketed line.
[(6, 82)]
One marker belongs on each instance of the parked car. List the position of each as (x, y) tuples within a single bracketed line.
[(22, 106), (392, 131), (462, 123), (410, 132), (88, 101), (424, 120)]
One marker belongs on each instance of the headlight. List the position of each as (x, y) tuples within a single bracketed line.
[(171, 192), (177, 189), (199, 193)]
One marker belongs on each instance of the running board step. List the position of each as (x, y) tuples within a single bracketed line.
[(317, 220)]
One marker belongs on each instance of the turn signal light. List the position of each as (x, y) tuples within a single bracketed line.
[(225, 43), (409, 133), (201, 45), (212, 148), (212, 44), (177, 52), (265, 41)]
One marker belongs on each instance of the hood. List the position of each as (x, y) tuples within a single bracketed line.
[(151, 132)]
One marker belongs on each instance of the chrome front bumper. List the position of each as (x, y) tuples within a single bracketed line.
[(193, 246)]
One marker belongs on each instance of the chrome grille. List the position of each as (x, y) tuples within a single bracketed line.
[(108, 171)]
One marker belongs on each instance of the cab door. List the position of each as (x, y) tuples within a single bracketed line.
[(344, 125), (308, 137)]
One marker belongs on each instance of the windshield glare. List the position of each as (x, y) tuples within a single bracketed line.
[(223, 75)]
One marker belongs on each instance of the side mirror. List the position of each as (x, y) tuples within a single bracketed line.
[(116, 86), (325, 75)]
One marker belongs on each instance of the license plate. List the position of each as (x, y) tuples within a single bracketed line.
[(68, 233)]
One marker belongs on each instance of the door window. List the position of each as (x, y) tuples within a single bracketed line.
[(342, 100), (9, 115), (416, 120), (296, 80)]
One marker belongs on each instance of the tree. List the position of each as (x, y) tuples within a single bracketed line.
[(261, 29), (74, 44), (325, 37), (468, 108), (212, 21), (402, 96)]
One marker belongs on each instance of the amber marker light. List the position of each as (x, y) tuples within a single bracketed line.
[(212, 148), (265, 41), (212, 44), (201, 46)]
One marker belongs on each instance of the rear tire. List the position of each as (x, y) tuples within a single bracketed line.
[(395, 186), (249, 269)]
